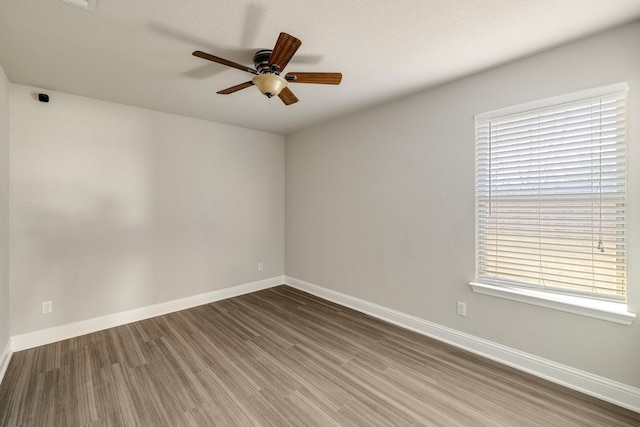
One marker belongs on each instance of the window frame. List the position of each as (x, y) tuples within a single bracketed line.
[(588, 305)]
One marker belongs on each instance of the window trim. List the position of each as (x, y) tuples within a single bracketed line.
[(599, 309), (606, 310), (560, 99)]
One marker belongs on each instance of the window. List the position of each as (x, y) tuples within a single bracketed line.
[(550, 196)]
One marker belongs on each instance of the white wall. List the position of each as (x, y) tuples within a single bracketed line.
[(4, 219), (380, 206), (115, 208)]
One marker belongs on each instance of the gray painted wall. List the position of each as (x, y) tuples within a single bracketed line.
[(115, 208), (4, 212), (380, 205)]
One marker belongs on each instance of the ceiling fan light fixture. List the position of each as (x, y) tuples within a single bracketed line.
[(269, 84), (268, 66)]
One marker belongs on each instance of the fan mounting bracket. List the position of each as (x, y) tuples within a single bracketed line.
[(261, 62)]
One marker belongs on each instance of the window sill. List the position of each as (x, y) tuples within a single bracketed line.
[(605, 310)]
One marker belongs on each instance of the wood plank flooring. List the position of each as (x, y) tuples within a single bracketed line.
[(279, 357)]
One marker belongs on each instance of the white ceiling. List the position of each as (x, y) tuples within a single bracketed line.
[(138, 52)]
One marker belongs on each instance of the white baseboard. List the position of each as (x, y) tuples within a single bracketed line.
[(5, 358), (603, 388), (611, 391), (58, 333)]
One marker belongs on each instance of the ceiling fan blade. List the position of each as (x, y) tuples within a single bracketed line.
[(223, 61), (235, 88), (317, 78), (283, 51), (287, 96)]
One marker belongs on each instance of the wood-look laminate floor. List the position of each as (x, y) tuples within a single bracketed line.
[(279, 357)]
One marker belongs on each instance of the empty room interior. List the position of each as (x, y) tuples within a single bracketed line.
[(319, 213)]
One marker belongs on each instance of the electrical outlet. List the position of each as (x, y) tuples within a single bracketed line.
[(462, 309), (47, 307), (260, 266)]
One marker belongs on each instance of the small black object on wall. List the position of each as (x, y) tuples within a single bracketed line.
[(43, 97)]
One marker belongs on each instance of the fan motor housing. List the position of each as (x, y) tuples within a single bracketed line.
[(261, 61)]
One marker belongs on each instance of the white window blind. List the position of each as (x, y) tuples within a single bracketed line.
[(550, 196)]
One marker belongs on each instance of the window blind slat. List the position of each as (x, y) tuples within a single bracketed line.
[(551, 197)]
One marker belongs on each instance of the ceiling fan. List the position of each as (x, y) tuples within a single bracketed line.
[(269, 64)]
